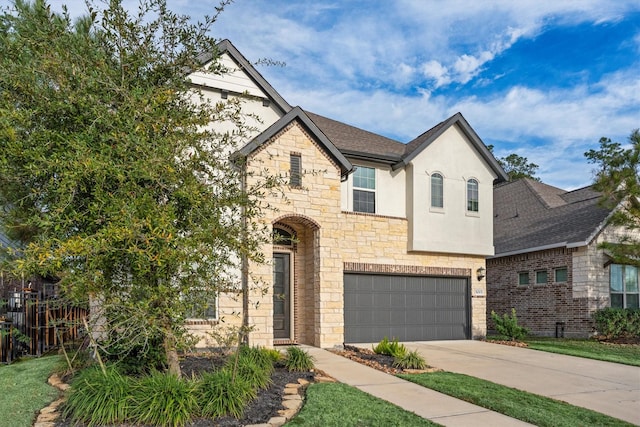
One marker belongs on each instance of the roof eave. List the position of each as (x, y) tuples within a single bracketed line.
[(296, 114)]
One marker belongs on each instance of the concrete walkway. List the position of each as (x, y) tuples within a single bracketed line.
[(424, 402), (609, 388)]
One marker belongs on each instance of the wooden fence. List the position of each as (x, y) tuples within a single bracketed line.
[(34, 322)]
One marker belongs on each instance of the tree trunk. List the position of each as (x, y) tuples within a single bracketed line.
[(171, 353)]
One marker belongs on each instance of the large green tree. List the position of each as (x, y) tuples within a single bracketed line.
[(517, 167), (109, 171), (617, 177)]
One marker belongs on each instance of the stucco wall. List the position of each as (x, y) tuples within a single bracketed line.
[(451, 229)]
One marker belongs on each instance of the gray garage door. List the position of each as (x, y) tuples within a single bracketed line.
[(409, 308)]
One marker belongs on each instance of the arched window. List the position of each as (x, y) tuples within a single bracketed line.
[(282, 237), (437, 191), (472, 195)]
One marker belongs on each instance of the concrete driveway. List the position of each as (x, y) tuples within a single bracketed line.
[(609, 388)]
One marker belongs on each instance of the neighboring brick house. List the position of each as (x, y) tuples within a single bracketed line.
[(390, 238), (547, 263)]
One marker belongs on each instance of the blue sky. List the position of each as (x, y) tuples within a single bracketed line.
[(543, 79)]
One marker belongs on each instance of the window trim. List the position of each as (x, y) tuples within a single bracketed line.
[(546, 278), (468, 211), (368, 190), (521, 275), (555, 274), (624, 292), (431, 192)]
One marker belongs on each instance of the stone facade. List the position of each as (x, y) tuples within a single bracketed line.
[(327, 240)]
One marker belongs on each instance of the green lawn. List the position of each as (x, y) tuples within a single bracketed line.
[(25, 390), (528, 407), (336, 404), (591, 349)]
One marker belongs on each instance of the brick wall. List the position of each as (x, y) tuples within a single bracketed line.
[(538, 306)]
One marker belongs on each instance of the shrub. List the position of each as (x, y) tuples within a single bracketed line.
[(274, 355), (298, 360), (136, 360), (617, 322), (98, 398), (163, 399), (221, 394), (410, 360), (253, 365), (508, 325), (390, 348)]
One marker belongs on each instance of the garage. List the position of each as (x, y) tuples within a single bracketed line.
[(409, 308)]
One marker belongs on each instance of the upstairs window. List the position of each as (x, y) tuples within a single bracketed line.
[(523, 278), (561, 274), (295, 170), (364, 190), (623, 286), (437, 191), (472, 195), (541, 277)]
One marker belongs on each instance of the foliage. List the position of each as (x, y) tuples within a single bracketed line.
[(390, 348), (99, 398), (336, 404), (521, 405), (298, 360), (410, 360), (25, 389), (617, 322), (591, 349), (508, 325), (617, 176), (516, 166), (137, 359), (163, 399), (273, 354), (222, 394), (110, 174), (253, 365)]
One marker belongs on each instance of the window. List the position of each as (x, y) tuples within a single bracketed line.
[(541, 277), (437, 191), (295, 170), (523, 278), (561, 274), (472, 195), (364, 190), (203, 307), (623, 285)]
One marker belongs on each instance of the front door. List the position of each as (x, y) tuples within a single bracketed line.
[(281, 294)]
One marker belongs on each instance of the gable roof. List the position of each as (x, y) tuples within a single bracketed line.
[(530, 215), (358, 143), (423, 141), (298, 114), (225, 46)]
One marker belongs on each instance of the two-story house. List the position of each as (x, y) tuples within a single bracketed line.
[(376, 237)]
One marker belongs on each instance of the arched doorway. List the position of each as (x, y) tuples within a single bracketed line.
[(295, 279)]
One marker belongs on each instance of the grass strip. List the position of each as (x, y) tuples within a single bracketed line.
[(25, 390), (616, 353), (528, 407), (336, 404)]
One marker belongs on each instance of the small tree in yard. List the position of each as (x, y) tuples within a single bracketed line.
[(109, 172), (618, 178)]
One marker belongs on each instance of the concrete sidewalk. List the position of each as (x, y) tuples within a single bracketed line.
[(424, 402), (608, 388)]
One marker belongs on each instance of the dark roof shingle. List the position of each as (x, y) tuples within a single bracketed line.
[(529, 214)]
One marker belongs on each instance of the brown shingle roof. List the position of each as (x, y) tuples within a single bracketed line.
[(529, 214), (355, 141)]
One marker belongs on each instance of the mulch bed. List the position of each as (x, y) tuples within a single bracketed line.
[(260, 410), (380, 362)]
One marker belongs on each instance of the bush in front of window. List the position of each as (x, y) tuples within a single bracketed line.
[(508, 325), (614, 323)]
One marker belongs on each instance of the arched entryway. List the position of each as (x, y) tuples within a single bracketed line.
[(295, 279)]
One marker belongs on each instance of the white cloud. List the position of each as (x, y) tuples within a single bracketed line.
[(434, 70)]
